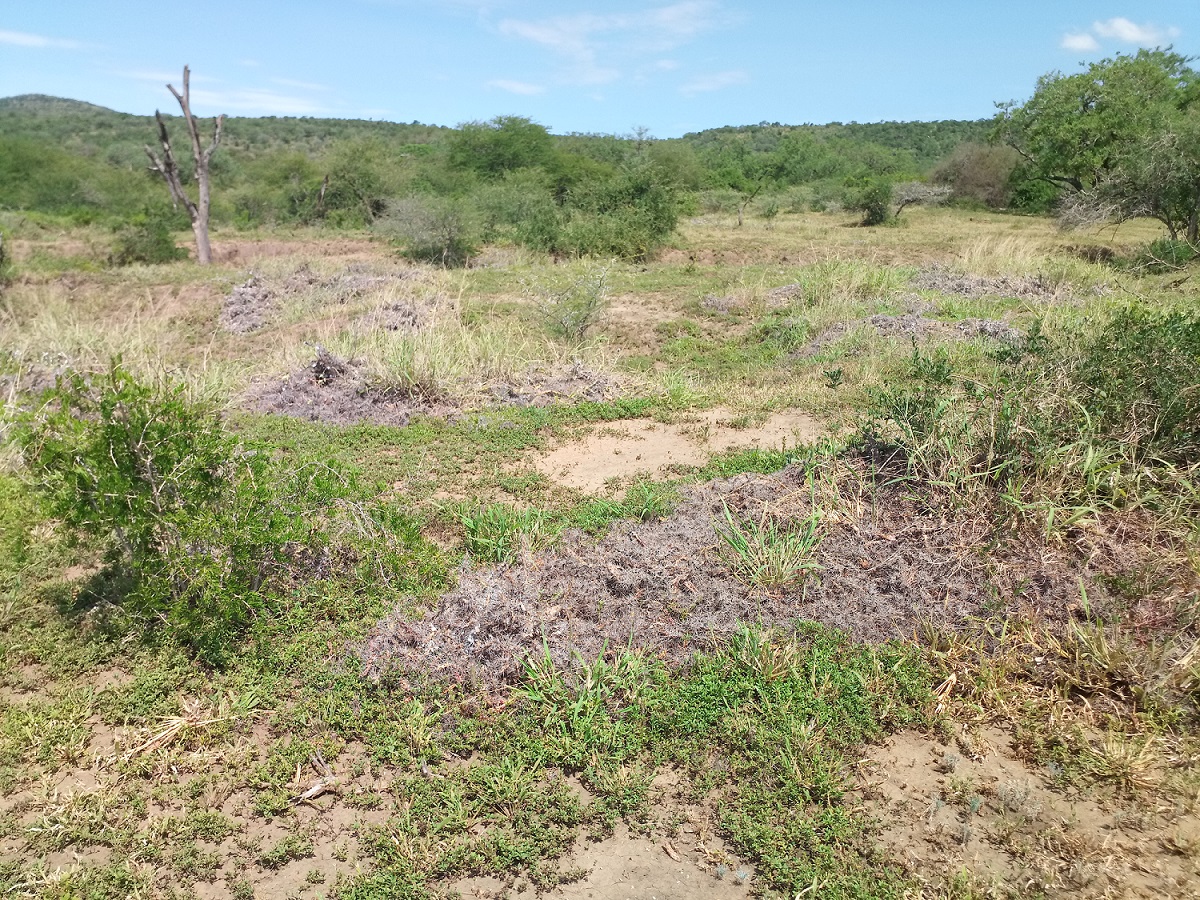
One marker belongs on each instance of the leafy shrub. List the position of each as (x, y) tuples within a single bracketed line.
[(629, 216), (148, 238), (872, 197), (1165, 255), (431, 229), (979, 173), (520, 207), (199, 522), (1140, 382)]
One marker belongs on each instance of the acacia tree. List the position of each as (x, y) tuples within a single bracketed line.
[(201, 157), (1119, 139)]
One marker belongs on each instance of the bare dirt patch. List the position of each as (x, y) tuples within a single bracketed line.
[(663, 587), (643, 446), (975, 805), (622, 866)]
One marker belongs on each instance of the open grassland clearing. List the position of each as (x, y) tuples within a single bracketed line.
[(805, 560)]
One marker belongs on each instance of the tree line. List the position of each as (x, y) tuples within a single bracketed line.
[(1117, 140)]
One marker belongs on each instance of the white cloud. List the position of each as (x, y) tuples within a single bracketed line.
[(1081, 41), (1118, 30), (1121, 29), (589, 42), (516, 87), (667, 65), (714, 82), (24, 39), (260, 101)]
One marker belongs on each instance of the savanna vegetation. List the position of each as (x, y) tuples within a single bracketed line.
[(516, 514)]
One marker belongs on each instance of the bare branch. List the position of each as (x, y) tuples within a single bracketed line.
[(201, 156)]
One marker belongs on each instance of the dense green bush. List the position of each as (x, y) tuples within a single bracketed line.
[(1063, 427), (1139, 382), (629, 216), (200, 524), (872, 197), (431, 229), (1165, 255), (148, 238), (504, 144)]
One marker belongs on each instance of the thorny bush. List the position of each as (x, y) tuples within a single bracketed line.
[(1078, 421), (198, 521)]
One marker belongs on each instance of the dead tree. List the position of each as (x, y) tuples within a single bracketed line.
[(166, 167)]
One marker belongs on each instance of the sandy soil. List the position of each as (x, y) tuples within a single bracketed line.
[(645, 447), (976, 805), (622, 867)]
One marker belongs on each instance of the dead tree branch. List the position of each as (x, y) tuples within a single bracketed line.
[(166, 166)]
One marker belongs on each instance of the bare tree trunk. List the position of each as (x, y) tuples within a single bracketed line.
[(747, 198), (167, 168)]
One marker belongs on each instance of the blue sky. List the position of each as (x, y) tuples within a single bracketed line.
[(671, 66)]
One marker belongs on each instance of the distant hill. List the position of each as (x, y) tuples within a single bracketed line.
[(927, 142), (95, 130), (73, 158)]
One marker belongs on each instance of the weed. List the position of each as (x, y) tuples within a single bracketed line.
[(949, 762), (767, 555), (1131, 763), (291, 847), (197, 520), (498, 533)]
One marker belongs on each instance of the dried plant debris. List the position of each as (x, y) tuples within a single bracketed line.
[(575, 384), (911, 325), (990, 328), (960, 284), (724, 306), (251, 305), (787, 293), (397, 315), (665, 588), (247, 307), (334, 391)]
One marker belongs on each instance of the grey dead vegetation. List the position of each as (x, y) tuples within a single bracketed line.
[(723, 305), (961, 284), (336, 391), (575, 384), (252, 304), (663, 589), (990, 328), (913, 325), (247, 307)]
